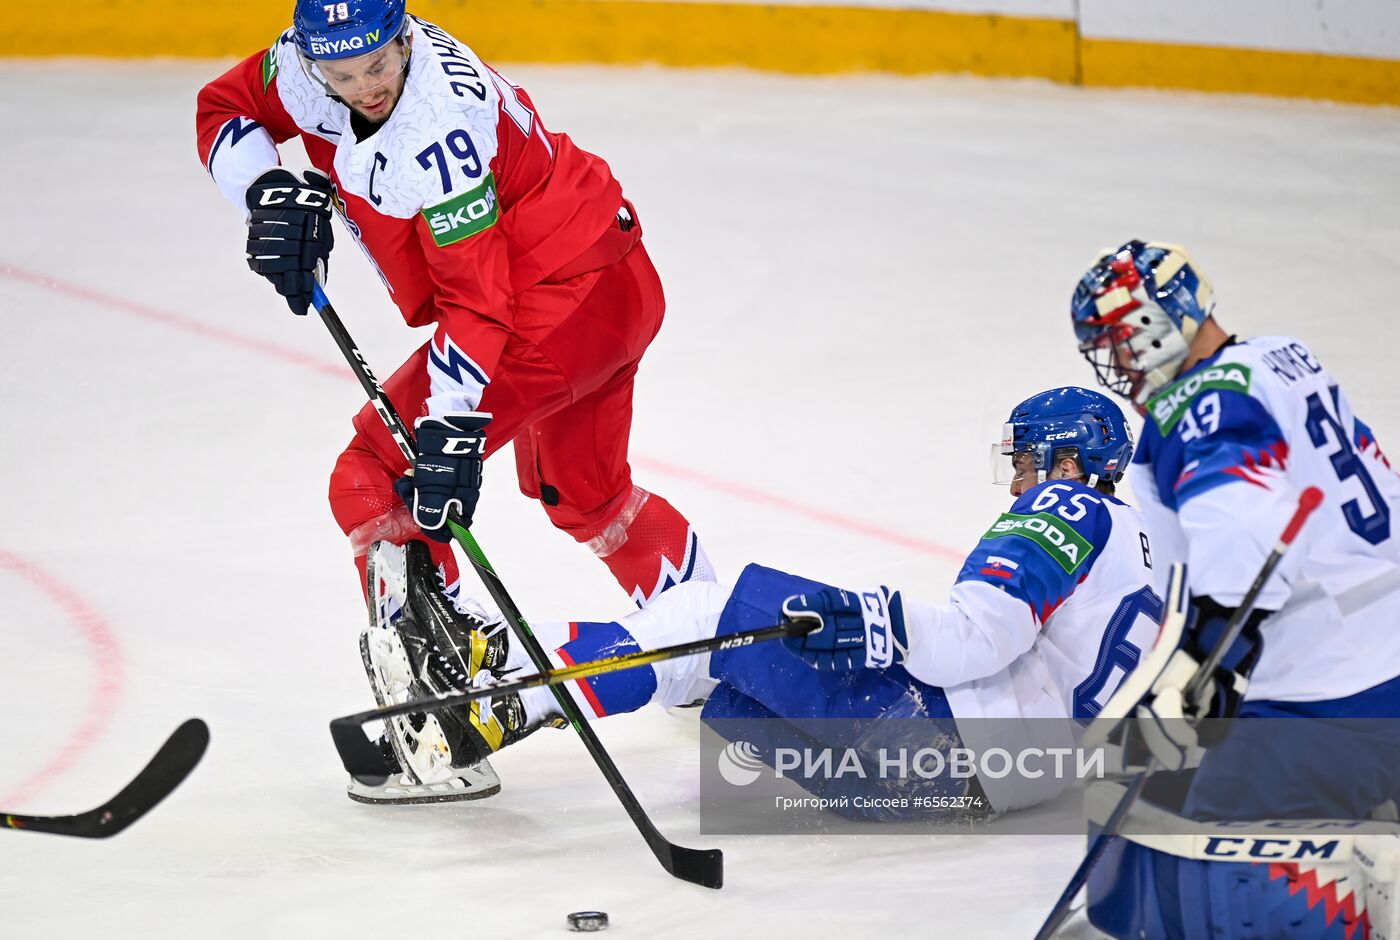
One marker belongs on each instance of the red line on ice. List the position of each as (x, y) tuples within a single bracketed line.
[(763, 498), (848, 524), (174, 321), (107, 660)]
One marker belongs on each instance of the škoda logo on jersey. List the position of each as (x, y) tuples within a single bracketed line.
[(465, 215), (269, 65), (1063, 544), (1169, 405)]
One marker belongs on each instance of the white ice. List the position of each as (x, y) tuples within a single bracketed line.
[(864, 274)]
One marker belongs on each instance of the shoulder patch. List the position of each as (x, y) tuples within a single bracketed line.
[(1055, 536), (1168, 405), (465, 215), (269, 65)]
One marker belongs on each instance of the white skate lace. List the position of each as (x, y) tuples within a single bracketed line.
[(486, 622)]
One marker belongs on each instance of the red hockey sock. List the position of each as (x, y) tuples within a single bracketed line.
[(650, 547)]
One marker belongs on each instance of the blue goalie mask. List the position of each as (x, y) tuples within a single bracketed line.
[(1135, 313), (1064, 422)]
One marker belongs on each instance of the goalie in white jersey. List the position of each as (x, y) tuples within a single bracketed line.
[(1235, 431), (1047, 616)]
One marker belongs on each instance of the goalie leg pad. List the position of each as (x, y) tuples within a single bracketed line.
[(1170, 877), (1140, 892), (1145, 894), (1378, 857)]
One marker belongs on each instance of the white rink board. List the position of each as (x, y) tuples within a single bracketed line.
[(1368, 28), (168, 429)]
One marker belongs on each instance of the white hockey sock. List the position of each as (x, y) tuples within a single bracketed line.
[(686, 612)]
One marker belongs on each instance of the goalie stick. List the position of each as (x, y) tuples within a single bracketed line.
[(699, 866), (1173, 624), (365, 761), (171, 765)]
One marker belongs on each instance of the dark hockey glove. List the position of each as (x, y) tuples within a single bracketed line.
[(447, 473), (1171, 722), (289, 232), (851, 630)]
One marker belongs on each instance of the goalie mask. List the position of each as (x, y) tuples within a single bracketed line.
[(1064, 422), (1135, 313)]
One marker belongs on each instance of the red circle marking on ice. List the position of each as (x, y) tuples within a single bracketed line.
[(751, 494), (106, 656)]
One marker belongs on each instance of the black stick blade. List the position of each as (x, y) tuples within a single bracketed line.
[(166, 771), (361, 757), (704, 867)]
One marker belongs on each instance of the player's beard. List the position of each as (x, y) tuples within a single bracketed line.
[(385, 106)]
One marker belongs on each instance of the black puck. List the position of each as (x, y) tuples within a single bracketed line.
[(588, 921)]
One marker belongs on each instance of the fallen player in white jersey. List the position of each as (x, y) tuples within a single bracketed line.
[(1047, 616)]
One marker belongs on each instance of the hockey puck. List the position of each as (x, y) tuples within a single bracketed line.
[(588, 921)]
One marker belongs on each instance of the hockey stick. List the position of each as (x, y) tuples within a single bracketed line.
[(698, 866), (362, 759), (1177, 597), (1173, 623), (171, 765)]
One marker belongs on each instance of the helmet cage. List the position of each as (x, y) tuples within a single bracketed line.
[(1135, 314), (1138, 353)]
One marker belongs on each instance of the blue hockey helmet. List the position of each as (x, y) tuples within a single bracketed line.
[(1065, 422), (1135, 312), (324, 31)]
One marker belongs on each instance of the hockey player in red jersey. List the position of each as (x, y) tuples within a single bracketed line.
[(517, 246)]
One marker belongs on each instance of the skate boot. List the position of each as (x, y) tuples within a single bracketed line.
[(451, 643), (480, 728), (419, 643)]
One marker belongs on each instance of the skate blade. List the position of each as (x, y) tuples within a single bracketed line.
[(474, 783)]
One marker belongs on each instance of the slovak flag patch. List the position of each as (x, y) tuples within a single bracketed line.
[(999, 567)]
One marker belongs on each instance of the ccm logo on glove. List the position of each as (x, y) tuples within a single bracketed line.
[(465, 445), (309, 198), (446, 476), (289, 232), (848, 629), (877, 629)]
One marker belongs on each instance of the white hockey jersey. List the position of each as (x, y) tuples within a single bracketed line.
[(1050, 613), (1226, 451)]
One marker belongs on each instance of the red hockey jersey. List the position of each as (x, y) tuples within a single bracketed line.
[(461, 198)]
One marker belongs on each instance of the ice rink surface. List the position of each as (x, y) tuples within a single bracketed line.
[(863, 275)]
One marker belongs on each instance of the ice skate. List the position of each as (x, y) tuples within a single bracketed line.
[(419, 642), (449, 644)]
